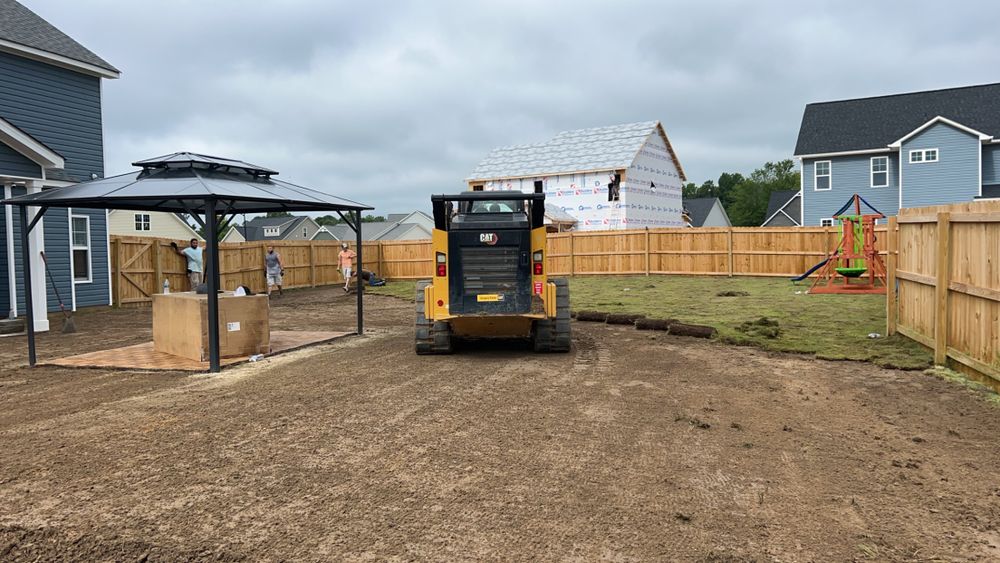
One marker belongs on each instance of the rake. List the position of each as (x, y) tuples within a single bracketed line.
[(69, 325)]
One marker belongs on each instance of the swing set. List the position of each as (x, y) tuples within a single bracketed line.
[(854, 258)]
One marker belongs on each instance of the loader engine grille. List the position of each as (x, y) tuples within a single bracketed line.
[(489, 269)]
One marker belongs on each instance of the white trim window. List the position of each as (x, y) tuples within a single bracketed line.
[(918, 156), (80, 244), (880, 171), (142, 221), (823, 176), (828, 222), (272, 231)]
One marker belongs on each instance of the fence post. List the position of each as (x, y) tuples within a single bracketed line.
[(118, 272), (312, 263), (572, 253), (381, 270), (647, 251), (941, 288), (730, 250), (157, 267), (891, 305)]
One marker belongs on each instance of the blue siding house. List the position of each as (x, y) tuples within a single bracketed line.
[(905, 150), (50, 136)]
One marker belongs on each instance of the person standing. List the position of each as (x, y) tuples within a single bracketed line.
[(195, 262), (274, 269), (346, 262)]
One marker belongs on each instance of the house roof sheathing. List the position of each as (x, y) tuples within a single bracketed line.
[(581, 150)]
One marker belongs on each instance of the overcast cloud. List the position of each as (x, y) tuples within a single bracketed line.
[(386, 102)]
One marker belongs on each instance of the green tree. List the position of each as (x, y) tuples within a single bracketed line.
[(749, 203), (223, 228), (278, 214)]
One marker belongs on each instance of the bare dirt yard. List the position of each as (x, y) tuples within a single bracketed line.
[(631, 447)]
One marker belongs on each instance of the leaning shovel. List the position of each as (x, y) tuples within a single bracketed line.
[(68, 324)]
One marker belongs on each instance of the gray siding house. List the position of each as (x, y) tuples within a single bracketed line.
[(706, 212), (50, 136), (300, 227), (783, 209), (906, 150)]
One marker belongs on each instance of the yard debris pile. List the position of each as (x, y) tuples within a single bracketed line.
[(764, 327), (670, 326)]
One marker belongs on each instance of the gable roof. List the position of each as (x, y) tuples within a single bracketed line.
[(556, 216), (35, 150), (581, 150), (699, 208), (877, 122), (270, 221), (254, 229), (27, 34), (780, 201)]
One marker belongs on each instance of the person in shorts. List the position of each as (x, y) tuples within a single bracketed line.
[(345, 260), (274, 269), (195, 262)]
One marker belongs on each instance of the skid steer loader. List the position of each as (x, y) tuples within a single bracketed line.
[(489, 275)]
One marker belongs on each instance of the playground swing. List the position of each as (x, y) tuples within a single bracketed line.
[(854, 258)]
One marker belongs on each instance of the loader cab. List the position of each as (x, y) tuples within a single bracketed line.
[(489, 275), (492, 254)]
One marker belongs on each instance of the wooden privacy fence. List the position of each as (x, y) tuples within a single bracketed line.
[(735, 251), (140, 265), (944, 283)]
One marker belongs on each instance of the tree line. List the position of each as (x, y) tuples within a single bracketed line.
[(745, 197)]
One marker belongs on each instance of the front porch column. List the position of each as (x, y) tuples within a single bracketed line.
[(36, 244), (11, 273)]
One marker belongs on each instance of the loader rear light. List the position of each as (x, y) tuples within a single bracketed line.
[(537, 258), (442, 264)]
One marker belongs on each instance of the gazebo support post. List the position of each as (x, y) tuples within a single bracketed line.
[(212, 273), (361, 280), (29, 308)]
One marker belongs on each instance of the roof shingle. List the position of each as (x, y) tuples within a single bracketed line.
[(20, 25), (874, 123)]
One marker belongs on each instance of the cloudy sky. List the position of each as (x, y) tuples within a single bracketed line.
[(386, 102)]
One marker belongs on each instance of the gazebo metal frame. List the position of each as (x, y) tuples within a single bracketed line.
[(192, 184)]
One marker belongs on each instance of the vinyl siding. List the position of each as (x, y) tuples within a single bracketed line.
[(716, 217), (13, 163), (162, 225), (57, 106), (56, 229), (953, 178), (991, 164), (780, 220), (849, 175)]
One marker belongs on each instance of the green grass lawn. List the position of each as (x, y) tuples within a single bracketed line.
[(834, 327)]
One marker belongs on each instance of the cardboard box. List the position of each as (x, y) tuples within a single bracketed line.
[(180, 325)]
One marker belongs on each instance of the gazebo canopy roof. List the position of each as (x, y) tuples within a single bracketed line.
[(183, 183)]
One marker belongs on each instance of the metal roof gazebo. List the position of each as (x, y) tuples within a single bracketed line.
[(198, 185)]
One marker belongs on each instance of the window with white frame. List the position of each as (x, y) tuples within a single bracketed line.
[(923, 155), (880, 171), (828, 222), (80, 243), (142, 221), (271, 231), (823, 176)]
